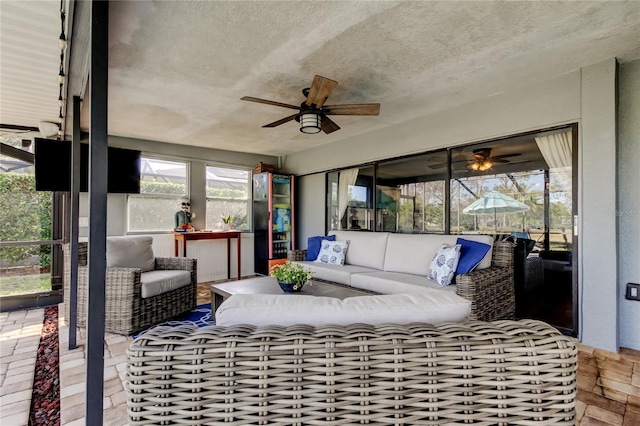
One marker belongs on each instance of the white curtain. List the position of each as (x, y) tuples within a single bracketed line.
[(556, 149), (347, 178)]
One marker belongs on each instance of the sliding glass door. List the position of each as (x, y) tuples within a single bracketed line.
[(521, 188)]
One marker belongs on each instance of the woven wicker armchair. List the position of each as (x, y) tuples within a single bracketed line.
[(126, 312), (491, 291), (500, 373)]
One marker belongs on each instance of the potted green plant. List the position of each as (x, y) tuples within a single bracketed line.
[(226, 221), (290, 276)]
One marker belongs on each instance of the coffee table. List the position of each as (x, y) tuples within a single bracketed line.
[(268, 285)]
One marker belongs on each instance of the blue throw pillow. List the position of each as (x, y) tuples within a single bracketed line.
[(471, 255), (313, 246)]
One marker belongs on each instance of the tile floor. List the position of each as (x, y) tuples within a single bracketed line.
[(20, 335)]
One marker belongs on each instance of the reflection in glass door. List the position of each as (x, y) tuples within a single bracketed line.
[(406, 214)]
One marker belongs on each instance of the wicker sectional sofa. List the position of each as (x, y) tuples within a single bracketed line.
[(490, 373), (390, 263)]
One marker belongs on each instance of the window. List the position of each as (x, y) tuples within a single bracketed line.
[(228, 195), (163, 187)]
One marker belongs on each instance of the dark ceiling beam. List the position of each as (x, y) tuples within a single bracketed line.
[(18, 154)]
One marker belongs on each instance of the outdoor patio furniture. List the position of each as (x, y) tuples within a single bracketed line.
[(135, 299), (392, 263), (491, 373)]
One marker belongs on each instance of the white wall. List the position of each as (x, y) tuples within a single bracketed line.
[(596, 202), (628, 212), (192, 152), (586, 94), (311, 208), (116, 214), (211, 255)]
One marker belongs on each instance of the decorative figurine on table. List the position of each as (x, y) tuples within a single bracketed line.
[(182, 219)]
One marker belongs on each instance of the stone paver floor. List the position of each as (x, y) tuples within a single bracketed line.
[(19, 338)]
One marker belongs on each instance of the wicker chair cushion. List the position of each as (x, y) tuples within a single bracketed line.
[(396, 283), (130, 252), (160, 282), (432, 306)]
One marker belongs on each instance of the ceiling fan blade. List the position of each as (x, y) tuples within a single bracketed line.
[(320, 90), (498, 160), (352, 109), (264, 101), (505, 155), (478, 157), (281, 121), (329, 126)]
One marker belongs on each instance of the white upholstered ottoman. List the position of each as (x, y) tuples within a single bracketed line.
[(433, 306)]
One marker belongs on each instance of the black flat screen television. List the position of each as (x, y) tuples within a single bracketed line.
[(53, 167)]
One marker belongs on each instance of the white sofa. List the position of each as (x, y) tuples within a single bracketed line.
[(390, 263)]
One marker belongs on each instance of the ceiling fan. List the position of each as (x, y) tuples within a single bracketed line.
[(312, 113), (482, 159)]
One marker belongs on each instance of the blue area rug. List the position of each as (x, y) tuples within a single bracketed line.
[(200, 316)]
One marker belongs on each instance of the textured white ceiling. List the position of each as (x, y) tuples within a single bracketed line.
[(179, 68)]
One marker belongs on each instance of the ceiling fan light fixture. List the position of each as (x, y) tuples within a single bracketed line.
[(310, 123), (484, 166), (481, 166)]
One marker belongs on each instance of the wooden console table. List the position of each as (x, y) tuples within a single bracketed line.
[(212, 235)]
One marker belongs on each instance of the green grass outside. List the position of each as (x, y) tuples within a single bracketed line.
[(24, 284)]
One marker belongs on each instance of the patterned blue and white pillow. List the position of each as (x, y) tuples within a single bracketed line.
[(332, 252), (444, 264)]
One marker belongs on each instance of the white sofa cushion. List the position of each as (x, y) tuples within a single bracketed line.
[(131, 252), (365, 248), (396, 283), (163, 281), (432, 306), (336, 273), (412, 253)]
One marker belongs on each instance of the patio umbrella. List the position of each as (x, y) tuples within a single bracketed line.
[(495, 202)]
